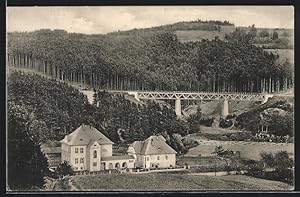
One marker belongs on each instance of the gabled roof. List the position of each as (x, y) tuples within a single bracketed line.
[(153, 145), (84, 135)]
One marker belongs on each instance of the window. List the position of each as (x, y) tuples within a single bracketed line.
[(81, 160), (81, 150), (94, 163), (130, 161), (95, 154), (81, 168), (76, 150), (76, 160), (157, 157), (147, 158), (166, 157), (76, 168)]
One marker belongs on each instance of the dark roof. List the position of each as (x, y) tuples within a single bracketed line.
[(119, 157), (84, 135), (152, 146)]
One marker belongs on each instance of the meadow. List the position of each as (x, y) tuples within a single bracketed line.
[(248, 150), (161, 181)]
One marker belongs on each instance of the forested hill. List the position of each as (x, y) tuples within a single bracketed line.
[(150, 60), (49, 109)]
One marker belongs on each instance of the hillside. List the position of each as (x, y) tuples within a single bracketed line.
[(151, 59), (214, 108), (156, 181), (198, 35), (52, 109)]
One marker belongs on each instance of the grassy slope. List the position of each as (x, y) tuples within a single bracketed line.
[(214, 108), (250, 150), (155, 181), (198, 35)]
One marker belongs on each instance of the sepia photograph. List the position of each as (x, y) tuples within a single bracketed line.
[(150, 98)]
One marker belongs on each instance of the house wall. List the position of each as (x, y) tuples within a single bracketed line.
[(106, 150), (96, 160), (79, 166), (164, 161), (65, 153), (109, 165), (150, 161), (139, 161)]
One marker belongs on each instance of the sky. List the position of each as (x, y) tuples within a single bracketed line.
[(104, 19)]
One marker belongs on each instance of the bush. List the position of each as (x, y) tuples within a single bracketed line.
[(231, 116), (225, 123), (264, 33), (280, 162), (64, 169), (228, 168)]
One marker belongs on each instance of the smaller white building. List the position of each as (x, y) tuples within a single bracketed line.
[(154, 152)]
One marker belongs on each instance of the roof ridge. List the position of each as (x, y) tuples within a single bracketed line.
[(147, 146)]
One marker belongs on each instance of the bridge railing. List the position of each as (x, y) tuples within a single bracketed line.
[(183, 92)]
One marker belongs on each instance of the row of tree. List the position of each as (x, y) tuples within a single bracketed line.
[(150, 61)]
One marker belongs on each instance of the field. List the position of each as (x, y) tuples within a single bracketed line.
[(198, 35), (249, 150), (158, 181)]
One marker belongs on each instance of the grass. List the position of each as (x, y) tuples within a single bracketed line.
[(198, 35), (199, 161), (157, 181), (216, 130), (248, 150)]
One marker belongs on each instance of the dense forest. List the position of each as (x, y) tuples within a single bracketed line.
[(52, 109), (150, 60)]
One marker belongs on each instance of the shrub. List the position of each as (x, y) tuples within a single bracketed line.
[(64, 169), (225, 123)]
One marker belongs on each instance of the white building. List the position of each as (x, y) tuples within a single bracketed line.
[(87, 149), (154, 152)]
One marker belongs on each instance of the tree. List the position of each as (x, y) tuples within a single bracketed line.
[(267, 159), (194, 120), (64, 169), (275, 35), (27, 165), (264, 34), (281, 125), (282, 165)]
